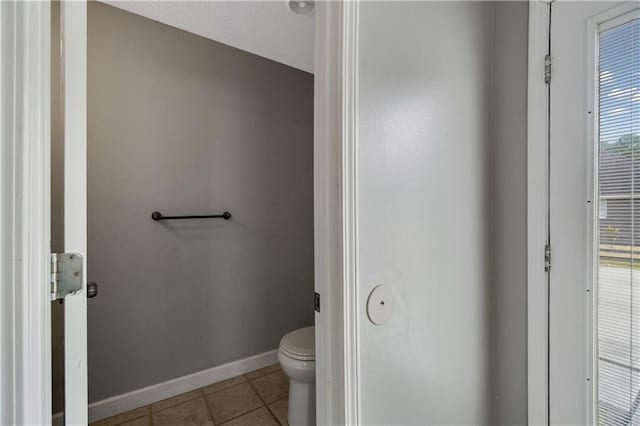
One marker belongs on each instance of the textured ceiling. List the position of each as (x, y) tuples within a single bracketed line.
[(265, 28)]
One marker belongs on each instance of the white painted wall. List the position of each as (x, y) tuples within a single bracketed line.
[(508, 237), (423, 199), (265, 28), (441, 214)]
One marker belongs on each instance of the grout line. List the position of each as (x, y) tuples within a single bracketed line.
[(243, 414), (177, 403), (225, 389), (260, 369), (228, 387), (263, 401), (195, 391), (256, 391), (259, 396), (130, 420), (206, 404), (274, 414), (200, 393), (120, 414)]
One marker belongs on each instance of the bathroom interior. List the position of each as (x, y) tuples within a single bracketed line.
[(201, 108)]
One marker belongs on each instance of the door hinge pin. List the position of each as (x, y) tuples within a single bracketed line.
[(547, 258), (547, 68)]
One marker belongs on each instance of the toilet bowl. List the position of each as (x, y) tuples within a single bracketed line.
[(297, 356)]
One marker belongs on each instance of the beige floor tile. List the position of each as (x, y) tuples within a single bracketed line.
[(232, 402), (178, 399), (259, 417), (224, 384), (280, 409), (272, 387), (123, 417), (263, 371), (190, 413), (140, 421)]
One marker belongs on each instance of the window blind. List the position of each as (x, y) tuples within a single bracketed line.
[(618, 299)]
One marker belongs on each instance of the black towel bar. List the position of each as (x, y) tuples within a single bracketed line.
[(159, 216)]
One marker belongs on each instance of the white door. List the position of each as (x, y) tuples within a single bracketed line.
[(594, 281), (74, 60)]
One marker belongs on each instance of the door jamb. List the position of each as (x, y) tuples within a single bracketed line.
[(334, 212), (537, 209), (25, 306)]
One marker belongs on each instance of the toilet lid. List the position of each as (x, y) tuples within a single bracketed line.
[(300, 343)]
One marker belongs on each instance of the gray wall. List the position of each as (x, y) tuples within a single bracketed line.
[(182, 124), (509, 214)]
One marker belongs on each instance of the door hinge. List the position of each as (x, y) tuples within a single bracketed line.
[(547, 258), (66, 274), (547, 68), (316, 301)]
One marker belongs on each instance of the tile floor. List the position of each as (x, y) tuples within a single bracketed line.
[(259, 398)]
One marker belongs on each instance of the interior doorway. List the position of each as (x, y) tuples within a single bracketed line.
[(183, 125)]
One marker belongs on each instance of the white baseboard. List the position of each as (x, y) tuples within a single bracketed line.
[(128, 401)]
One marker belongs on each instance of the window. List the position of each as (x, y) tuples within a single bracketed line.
[(618, 386)]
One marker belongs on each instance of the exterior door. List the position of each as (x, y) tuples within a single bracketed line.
[(594, 280), (74, 63)]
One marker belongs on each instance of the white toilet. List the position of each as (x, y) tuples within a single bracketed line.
[(297, 356)]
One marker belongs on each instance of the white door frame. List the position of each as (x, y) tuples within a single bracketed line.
[(25, 334), (334, 212), (537, 216)]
